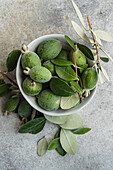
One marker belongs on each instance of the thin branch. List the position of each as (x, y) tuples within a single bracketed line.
[(97, 51), (75, 62), (8, 78)]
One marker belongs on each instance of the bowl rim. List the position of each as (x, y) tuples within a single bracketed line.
[(49, 113)]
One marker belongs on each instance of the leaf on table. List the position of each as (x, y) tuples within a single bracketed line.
[(4, 88), (76, 87), (60, 87), (56, 119), (54, 144), (105, 73), (70, 42), (79, 31), (104, 59), (100, 77), (60, 62), (82, 131), (69, 102), (12, 59), (68, 141), (74, 121), (42, 146), (66, 73), (33, 126), (107, 55), (104, 35), (86, 51), (79, 14)]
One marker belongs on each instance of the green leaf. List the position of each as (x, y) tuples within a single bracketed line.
[(107, 55), (66, 73), (33, 126), (24, 109), (79, 14), (70, 42), (105, 73), (68, 141), (104, 59), (2, 81), (59, 149), (12, 59), (82, 68), (61, 62), (74, 121), (56, 119), (69, 102), (12, 103), (76, 87), (104, 35), (86, 51), (82, 131), (60, 87), (54, 144), (42, 146), (4, 88), (79, 31)]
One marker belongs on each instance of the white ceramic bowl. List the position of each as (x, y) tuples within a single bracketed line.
[(32, 100)]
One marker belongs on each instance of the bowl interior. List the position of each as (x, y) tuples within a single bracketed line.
[(32, 100)]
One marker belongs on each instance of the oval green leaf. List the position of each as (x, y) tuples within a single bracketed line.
[(82, 68), (104, 35), (33, 126), (60, 87), (42, 146), (56, 119), (82, 131), (12, 103), (24, 109), (12, 59), (66, 73), (54, 144), (69, 102), (86, 51), (4, 88), (76, 87), (68, 141), (104, 59), (70, 42), (79, 31), (74, 121), (60, 62)]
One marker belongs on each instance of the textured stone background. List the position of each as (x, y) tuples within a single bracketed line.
[(23, 21)]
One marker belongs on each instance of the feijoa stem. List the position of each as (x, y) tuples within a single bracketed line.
[(97, 51), (4, 74)]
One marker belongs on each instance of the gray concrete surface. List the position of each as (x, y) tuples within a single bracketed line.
[(23, 21)]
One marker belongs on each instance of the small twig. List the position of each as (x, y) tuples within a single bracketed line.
[(75, 62), (8, 78), (95, 43)]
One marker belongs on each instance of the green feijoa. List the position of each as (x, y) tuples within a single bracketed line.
[(40, 74), (31, 87), (79, 56), (12, 103), (48, 101), (24, 109), (62, 55), (30, 59), (49, 66), (89, 78), (49, 49)]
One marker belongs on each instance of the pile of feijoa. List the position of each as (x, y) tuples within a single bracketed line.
[(52, 77)]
